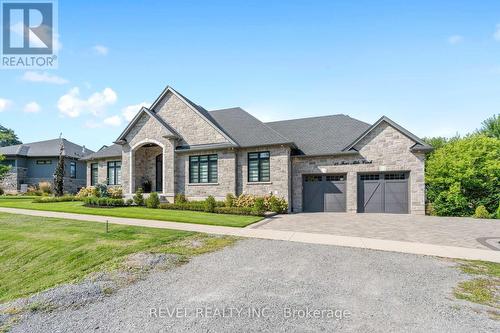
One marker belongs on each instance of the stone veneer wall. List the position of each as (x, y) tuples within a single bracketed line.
[(102, 170), (279, 168), (13, 180), (387, 148), (226, 174), (188, 123)]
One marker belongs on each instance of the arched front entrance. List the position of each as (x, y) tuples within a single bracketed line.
[(147, 167)]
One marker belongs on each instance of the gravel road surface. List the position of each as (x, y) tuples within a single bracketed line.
[(276, 286)]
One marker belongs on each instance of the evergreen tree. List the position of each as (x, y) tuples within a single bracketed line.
[(59, 173)]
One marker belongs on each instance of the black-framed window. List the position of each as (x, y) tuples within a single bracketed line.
[(94, 169), (114, 173), (43, 162), (72, 169), (259, 167), (203, 169)]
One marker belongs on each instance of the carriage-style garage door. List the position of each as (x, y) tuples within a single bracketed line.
[(383, 193), (324, 193)]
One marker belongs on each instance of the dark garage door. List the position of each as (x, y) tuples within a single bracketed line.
[(383, 193), (324, 193)]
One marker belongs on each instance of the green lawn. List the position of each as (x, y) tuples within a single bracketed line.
[(38, 253), (133, 212)]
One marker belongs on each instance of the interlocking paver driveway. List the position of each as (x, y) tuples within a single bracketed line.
[(451, 231)]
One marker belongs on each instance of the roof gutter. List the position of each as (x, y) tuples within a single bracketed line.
[(342, 153)]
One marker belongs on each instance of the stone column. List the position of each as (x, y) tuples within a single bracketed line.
[(352, 192), (169, 169)]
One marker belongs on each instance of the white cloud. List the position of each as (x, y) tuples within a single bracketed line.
[(4, 104), (113, 121), (130, 111), (455, 39), (100, 50), (496, 35), (32, 107), (43, 77), (72, 105)]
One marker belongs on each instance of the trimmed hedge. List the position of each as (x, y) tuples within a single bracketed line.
[(199, 206), (64, 198), (237, 211), (103, 202)]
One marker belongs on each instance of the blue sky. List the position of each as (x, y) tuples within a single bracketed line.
[(432, 66)]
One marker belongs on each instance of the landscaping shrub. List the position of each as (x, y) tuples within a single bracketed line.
[(237, 211), (153, 201), (481, 213), (139, 197), (274, 204), (103, 202), (1, 191), (230, 198), (129, 202), (47, 199), (115, 192), (464, 174), (244, 200), (102, 190), (45, 187), (258, 206), (89, 191), (180, 198), (210, 204), (198, 206), (33, 190)]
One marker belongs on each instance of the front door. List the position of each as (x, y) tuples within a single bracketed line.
[(159, 173)]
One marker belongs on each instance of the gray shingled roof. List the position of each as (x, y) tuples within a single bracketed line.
[(106, 152), (321, 135), (245, 129), (46, 149)]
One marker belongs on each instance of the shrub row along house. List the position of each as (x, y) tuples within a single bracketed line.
[(33, 163), (332, 163)]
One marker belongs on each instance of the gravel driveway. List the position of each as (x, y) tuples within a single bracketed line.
[(263, 285)]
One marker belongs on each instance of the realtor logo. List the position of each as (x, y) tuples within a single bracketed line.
[(28, 34)]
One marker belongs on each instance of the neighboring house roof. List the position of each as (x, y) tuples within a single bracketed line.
[(247, 130), (324, 135), (114, 150), (420, 144), (46, 148)]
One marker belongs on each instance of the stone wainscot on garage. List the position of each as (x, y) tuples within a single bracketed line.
[(329, 163)]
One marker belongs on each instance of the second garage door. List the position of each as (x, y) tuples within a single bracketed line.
[(383, 193), (324, 193)]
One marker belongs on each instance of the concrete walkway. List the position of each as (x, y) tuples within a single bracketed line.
[(302, 237)]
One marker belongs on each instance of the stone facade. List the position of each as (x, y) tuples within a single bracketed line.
[(280, 172), (102, 170), (193, 128), (226, 175), (387, 148), (12, 182)]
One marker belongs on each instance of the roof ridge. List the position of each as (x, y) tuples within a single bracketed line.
[(313, 117)]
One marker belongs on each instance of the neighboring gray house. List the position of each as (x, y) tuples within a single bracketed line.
[(32, 163), (330, 163)]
